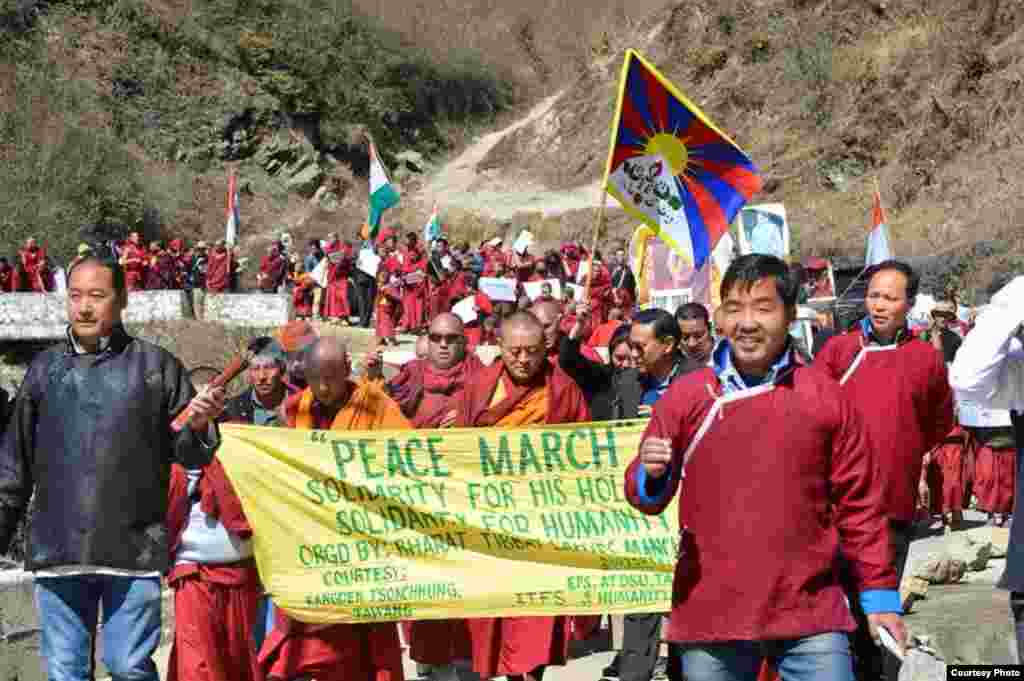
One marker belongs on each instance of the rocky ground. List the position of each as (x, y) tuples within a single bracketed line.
[(964, 622)]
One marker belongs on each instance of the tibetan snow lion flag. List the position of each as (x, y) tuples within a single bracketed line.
[(671, 167)]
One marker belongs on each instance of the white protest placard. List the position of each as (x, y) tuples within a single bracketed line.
[(319, 273), (465, 309), (499, 290), (523, 242), (398, 358), (534, 288), (974, 415), (581, 271), (764, 229), (488, 353), (368, 262), (60, 280), (670, 299)]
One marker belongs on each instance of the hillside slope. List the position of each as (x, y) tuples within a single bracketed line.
[(827, 97), (129, 113)]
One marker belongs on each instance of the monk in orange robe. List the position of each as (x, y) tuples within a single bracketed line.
[(335, 652), (522, 388)]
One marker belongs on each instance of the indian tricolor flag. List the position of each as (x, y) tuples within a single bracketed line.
[(382, 194), (432, 230), (878, 240), (233, 219)]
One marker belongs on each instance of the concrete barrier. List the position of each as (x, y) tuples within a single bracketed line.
[(19, 628), (43, 316), (249, 309)]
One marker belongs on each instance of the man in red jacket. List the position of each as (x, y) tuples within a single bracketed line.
[(898, 383), (757, 575)]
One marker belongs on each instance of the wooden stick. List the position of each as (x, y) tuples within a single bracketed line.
[(237, 366)]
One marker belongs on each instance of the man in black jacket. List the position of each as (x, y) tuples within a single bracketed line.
[(625, 393), (91, 433)]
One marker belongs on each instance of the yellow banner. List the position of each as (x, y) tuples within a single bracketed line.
[(405, 525)]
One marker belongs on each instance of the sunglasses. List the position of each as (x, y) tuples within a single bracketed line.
[(446, 338)]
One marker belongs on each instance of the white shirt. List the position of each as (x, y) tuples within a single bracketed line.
[(989, 367)]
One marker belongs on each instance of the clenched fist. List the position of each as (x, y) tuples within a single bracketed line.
[(656, 456)]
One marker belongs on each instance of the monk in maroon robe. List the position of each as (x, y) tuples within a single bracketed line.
[(428, 391), (336, 306), (520, 389), (33, 267), (995, 472), (182, 259), (414, 286), (218, 268), (273, 269), (7, 277), (601, 292), (133, 260), (215, 604), (947, 472), (161, 270)]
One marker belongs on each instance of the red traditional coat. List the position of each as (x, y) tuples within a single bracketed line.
[(33, 264), (902, 392), (756, 566), (8, 283), (133, 258)]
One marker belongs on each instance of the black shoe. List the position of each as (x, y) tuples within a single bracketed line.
[(612, 670), (660, 669)]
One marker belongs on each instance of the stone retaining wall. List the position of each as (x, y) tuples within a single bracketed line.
[(43, 316), (249, 309)]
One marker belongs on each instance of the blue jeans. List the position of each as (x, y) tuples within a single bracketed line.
[(823, 657), (68, 611)]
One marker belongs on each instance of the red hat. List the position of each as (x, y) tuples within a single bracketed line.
[(815, 264), (294, 336)]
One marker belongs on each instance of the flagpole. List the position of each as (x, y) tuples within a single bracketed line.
[(598, 225), (878, 193)]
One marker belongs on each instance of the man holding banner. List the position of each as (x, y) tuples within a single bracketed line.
[(522, 388), (789, 429), (336, 651)]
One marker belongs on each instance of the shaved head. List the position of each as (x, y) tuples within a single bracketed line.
[(523, 347), (446, 322), (446, 338), (422, 347), (549, 313), (328, 367)]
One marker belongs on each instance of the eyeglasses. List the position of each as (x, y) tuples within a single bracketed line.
[(446, 338)]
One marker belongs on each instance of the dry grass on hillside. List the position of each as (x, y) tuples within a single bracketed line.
[(826, 97)]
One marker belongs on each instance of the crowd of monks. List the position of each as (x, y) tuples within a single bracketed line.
[(413, 282), (307, 382), (32, 270), (146, 267)]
